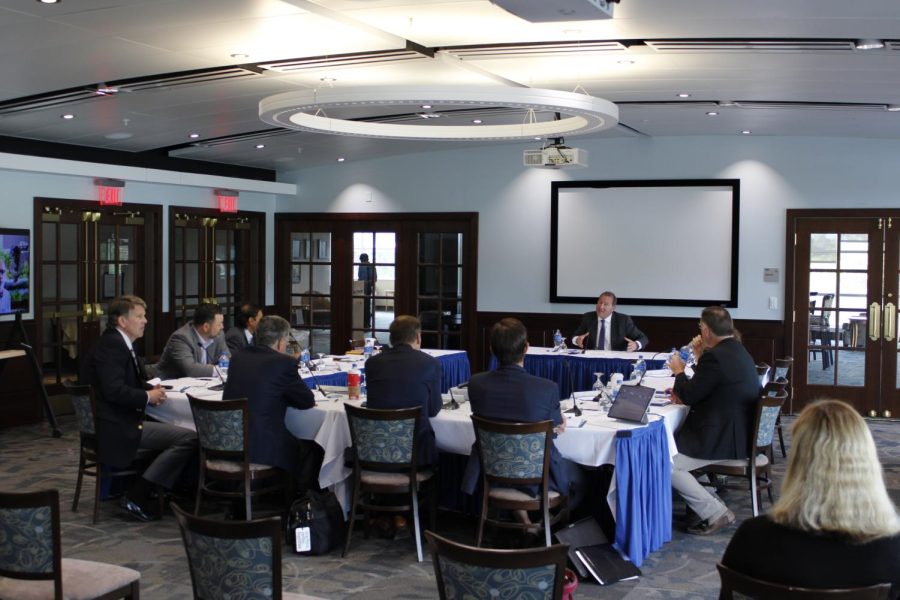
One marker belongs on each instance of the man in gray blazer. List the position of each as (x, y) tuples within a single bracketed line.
[(246, 318), (195, 347)]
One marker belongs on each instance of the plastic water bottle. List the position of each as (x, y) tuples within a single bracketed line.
[(353, 381), (362, 385), (686, 355), (223, 365), (640, 367), (368, 349), (304, 357), (557, 340)]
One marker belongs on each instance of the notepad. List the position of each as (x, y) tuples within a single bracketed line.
[(605, 564)]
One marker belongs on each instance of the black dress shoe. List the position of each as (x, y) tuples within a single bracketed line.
[(135, 510)]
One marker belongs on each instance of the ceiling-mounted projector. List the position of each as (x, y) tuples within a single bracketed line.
[(555, 156), (545, 11)]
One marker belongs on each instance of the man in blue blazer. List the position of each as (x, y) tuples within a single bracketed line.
[(619, 331), (120, 385), (269, 380), (722, 395), (509, 393), (403, 376)]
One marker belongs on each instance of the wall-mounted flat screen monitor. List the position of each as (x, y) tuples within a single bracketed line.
[(652, 242), (15, 275)]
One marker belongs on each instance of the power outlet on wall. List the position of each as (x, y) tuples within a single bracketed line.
[(773, 302)]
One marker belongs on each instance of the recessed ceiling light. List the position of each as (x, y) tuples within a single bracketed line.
[(893, 108), (67, 116), (626, 61), (426, 106), (194, 136), (49, 1), (684, 95), (711, 113), (107, 90), (327, 79), (537, 137), (341, 159), (240, 55), (477, 121), (746, 132), (260, 146)]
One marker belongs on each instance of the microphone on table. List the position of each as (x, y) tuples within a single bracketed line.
[(453, 403), (574, 410)]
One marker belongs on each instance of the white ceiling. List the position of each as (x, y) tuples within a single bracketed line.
[(78, 44)]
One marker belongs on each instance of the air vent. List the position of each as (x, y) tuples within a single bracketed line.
[(241, 137), (751, 45), (537, 49), (812, 105), (346, 60), (138, 84)]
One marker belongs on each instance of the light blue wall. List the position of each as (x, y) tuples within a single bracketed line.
[(18, 190), (513, 202)]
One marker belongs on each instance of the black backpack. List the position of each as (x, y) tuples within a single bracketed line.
[(315, 523)]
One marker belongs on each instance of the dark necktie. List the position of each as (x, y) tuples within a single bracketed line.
[(601, 336), (137, 363)]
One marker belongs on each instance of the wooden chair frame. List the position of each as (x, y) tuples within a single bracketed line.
[(732, 582), (248, 473), (784, 363), (542, 503), (411, 486), (498, 559), (759, 475), (50, 498)]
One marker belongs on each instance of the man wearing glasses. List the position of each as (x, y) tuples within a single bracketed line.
[(722, 395)]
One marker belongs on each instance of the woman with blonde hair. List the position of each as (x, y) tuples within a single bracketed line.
[(834, 525)]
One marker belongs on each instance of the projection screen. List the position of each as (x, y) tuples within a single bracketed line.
[(652, 242)]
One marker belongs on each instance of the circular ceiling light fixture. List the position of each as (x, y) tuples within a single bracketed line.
[(305, 111)]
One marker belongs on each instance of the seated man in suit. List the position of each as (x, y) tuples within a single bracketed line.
[(722, 395), (245, 321), (269, 379), (403, 377), (120, 385), (195, 347), (509, 393), (606, 329)]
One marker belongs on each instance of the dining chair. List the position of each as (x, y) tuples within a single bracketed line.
[(515, 458), (755, 467), (223, 430), (466, 572), (736, 586), (384, 448), (784, 370), (233, 559), (31, 562), (84, 404), (762, 371)]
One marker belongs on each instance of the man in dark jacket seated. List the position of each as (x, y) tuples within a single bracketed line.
[(722, 395)]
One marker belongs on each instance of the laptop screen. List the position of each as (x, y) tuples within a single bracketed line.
[(631, 403)]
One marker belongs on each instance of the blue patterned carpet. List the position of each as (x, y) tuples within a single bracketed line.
[(374, 568)]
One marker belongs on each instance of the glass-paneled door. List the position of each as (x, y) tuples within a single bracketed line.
[(310, 289), (439, 293), (215, 258), (846, 281), (88, 256), (374, 279)]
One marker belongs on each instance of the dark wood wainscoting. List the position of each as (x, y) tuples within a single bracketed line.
[(20, 401), (763, 339)]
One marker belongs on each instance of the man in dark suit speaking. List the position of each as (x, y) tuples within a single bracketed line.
[(722, 395), (606, 329), (113, 370), (403, 376), (269, 380)]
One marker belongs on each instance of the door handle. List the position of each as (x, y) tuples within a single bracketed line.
[(890, 322), (874, 321), (88, 312), (97, 311)]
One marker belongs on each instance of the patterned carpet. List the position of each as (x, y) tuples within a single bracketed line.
[(374, 568)]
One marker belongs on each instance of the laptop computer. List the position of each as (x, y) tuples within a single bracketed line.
[(631, 403)]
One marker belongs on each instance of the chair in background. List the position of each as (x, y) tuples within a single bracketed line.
[(784, 370), (467, 572), (762, 371), (384, 462), (738, 585), (820, 330), (515, 456), (223, 428), (84, 405), (31, 563), (233, 559), (756, 466)]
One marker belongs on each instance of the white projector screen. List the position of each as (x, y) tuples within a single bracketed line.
[(668, 242)]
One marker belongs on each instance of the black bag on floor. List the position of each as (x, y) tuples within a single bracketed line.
[(315, 523)]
